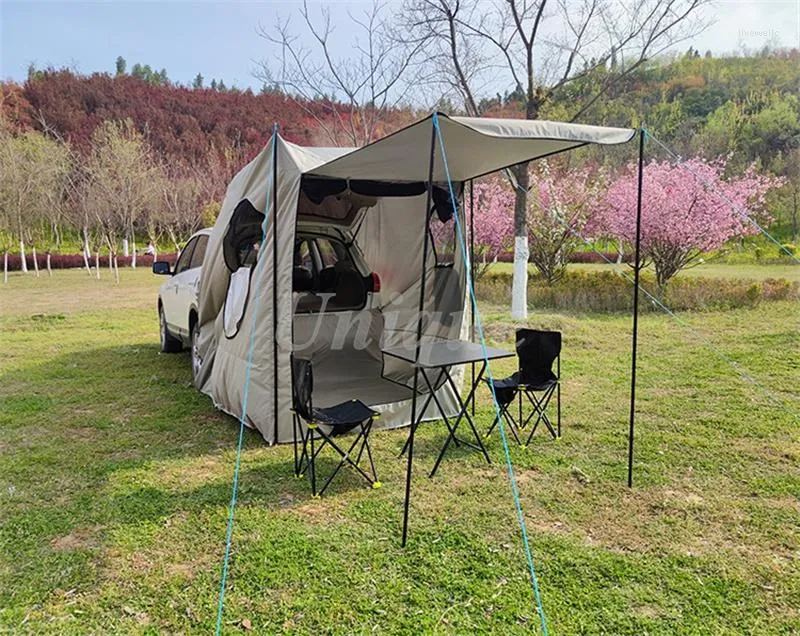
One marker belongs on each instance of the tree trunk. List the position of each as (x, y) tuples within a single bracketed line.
[(5, 267), (794, 218), (49, 270), (110, 261), (97, 264), (86, 249), (133, 254), (22, 262), (35, 261), (86, 262), (125, 251), (116, 270), (519, 284), (87, 253)]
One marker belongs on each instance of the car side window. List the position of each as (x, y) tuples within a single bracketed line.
[(185, 259), (199, 251)]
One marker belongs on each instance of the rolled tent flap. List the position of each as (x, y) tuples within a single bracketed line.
[(388, 178)]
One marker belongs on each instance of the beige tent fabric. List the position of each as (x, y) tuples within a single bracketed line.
[(340, 374), (224, 373), (474, 147), (391, 238)]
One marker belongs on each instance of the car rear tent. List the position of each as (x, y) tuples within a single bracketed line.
[(379, 194)]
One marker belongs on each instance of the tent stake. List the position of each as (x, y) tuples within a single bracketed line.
[(636, 269), (419, 336)]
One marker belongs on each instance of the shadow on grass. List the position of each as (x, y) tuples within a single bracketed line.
[(75, 421)]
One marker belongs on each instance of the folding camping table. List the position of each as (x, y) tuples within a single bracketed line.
[(440, 356)]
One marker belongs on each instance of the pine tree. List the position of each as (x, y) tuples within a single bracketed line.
[(121, 65), (197, 82)]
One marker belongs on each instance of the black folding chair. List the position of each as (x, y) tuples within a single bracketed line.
[(322, 425), (536, 352)]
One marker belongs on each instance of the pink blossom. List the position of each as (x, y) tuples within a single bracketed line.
[(687, 209)]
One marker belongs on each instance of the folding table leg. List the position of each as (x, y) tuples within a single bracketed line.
[(421, 412), (463, 413)]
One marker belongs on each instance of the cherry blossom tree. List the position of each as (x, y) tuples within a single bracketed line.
[(558, 208), (687, 209), (493, 223)]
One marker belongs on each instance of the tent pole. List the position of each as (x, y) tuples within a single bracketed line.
[(636, 269), (275, 278), (472, 273), (419, 335)]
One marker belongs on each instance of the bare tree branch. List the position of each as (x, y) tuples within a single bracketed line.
[(375, 78)]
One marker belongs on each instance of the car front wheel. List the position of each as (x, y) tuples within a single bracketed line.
[(169, 343)]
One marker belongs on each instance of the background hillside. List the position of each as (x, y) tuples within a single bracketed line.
[(746, 107)]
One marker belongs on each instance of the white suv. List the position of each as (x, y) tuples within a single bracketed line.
[(329, 274), (177, 296)]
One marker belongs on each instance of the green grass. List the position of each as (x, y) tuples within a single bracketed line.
[(707, 270), (115, 478)]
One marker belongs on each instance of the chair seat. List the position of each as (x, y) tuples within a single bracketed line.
[(345, 416), (514, 383)]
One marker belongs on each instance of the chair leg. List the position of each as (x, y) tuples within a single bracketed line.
[(312, 464), (295, 430), (539, 409), (302, 461), (558, 392), (494, 423), (367, 432), (345, 455), (558, 406), (513, 425), (505, 413)]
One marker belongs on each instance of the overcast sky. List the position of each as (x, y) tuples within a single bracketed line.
[(219, 40)]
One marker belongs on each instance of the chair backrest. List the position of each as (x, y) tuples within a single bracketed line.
[(537, 350), (302, 387)]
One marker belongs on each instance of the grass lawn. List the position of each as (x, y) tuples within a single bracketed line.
[(709, 270), (115, 478)]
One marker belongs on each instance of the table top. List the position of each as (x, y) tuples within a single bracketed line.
[(445, 353)]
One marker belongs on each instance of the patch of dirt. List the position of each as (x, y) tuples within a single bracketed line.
[(78, 539), (80, 433)]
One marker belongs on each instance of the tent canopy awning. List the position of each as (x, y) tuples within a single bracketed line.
[(474, 147)]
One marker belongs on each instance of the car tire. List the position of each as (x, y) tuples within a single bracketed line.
[(197, 361), (169, 343)]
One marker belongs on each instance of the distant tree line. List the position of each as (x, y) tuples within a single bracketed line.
[(117, 194), (191, 140)]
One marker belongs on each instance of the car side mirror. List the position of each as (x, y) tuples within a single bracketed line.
[(162, 268)]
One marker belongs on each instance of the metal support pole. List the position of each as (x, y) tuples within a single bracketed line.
[(275, 278), (419, 335), (472, 274), (636, 270)]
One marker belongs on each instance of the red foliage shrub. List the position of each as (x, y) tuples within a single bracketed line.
[(70, 261)]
